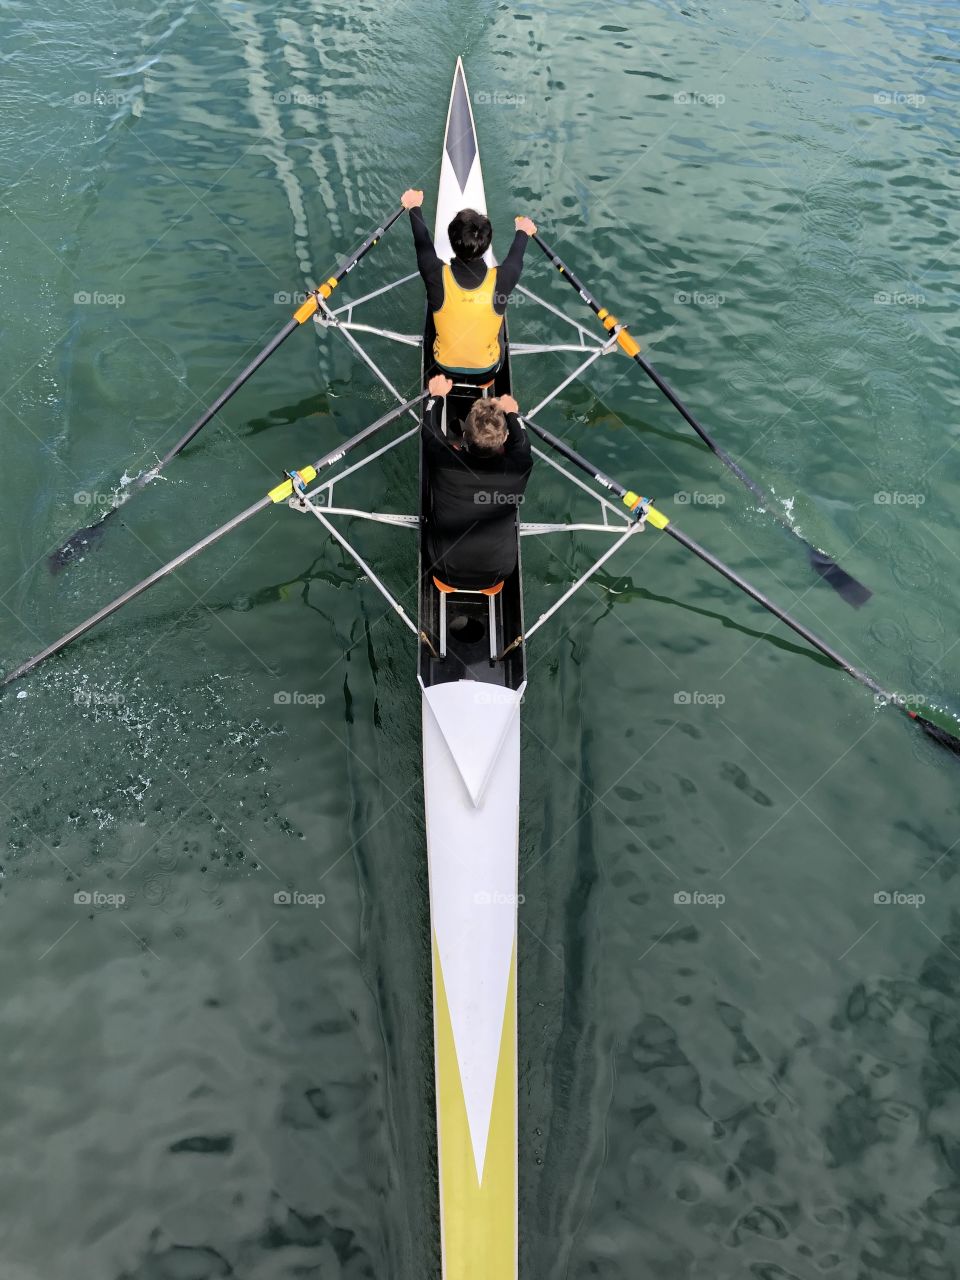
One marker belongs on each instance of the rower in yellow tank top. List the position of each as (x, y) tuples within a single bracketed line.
[(467, 299), (468, 327)]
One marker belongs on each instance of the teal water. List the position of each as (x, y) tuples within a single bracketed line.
[(203, 1084)]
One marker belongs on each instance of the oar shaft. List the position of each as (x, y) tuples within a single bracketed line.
[(348, 446), (854, 592), (278, 494), (786, 618), (628, 343), (228, 395), (564, 270), (137, 590), (663, 386), (303, 313), (630, 499), (641, 506)]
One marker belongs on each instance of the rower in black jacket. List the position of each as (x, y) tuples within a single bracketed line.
[(477, 474)]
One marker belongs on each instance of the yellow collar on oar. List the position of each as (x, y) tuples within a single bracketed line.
[(284, 491)]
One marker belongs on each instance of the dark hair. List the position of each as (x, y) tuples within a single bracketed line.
[(485, 428), (470, 234)]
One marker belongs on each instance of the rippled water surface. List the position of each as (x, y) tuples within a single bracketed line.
[(735, 1060)]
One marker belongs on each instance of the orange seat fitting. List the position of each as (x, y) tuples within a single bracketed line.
[(446, 590)]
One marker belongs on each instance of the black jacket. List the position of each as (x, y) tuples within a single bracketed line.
[(474, 502)]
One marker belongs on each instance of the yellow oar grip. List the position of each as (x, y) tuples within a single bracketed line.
[(284, 491), (309, 308), (328, 287)]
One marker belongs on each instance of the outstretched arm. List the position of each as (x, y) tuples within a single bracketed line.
[(511, 268), (428, 264)]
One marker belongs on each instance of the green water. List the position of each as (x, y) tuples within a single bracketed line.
[(203, 1084)]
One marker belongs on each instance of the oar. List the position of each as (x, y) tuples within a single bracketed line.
[(854, 592), (84, 538), (281, 493), (643, 508)]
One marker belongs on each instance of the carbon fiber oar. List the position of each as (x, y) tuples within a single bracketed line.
[(88, 537), (281, 493), (853, 591), (643, 508)]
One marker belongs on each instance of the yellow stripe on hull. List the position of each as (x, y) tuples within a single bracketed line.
[(478, 1220)]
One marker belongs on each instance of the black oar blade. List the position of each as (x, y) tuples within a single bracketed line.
[(939, 735), (78, 544), (843, 583)]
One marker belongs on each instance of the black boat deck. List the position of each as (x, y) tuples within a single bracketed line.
[(468, 640)]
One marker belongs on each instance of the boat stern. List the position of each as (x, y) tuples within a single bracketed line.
[(471, 744)]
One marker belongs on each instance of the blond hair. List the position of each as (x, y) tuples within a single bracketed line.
[(485, 428)]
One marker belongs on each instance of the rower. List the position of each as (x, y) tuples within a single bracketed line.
[(476, 476), (468, 299)]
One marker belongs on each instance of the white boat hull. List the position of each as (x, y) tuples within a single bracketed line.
[(471, 755)]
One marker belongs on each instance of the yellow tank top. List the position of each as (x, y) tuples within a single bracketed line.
[(468, 328)]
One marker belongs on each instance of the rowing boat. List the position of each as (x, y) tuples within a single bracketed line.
[(472, 676), (471, 772)]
